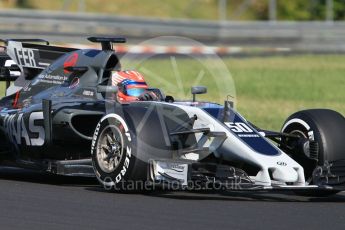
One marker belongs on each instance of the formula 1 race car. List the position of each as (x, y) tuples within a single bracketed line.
[(62, 116)]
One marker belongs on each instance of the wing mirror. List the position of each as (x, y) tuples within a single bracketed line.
[(198, 90)]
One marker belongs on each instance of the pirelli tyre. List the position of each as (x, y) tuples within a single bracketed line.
[(325, 129), (115, 157)]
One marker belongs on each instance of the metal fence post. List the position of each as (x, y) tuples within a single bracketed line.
[(329, 11), (272, 10), (81, 6), (222, 8)]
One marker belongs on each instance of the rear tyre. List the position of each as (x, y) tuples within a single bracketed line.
[(114, 156), (326, 128)]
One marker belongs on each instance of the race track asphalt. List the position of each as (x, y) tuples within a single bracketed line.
[(30, 200)]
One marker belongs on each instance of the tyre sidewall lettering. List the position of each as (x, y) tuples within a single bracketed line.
[(109, 180)]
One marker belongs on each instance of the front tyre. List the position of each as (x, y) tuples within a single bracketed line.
[(114, 156), (323, 127)]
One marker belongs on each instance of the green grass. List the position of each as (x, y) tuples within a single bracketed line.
[(2, 89), (268, 89), (193, 9)]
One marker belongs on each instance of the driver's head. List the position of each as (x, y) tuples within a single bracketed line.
[(131, 85)]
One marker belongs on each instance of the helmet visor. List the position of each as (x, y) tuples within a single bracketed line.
[(135, 92)]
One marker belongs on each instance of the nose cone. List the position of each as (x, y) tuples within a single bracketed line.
[(285, 174)]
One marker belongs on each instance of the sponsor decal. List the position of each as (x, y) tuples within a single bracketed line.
[(49, 79), (17, 130), (89, 93), (248, 135), (26, 57), (171, 171), (281, 163), (125, 165), (177, 167), (95, 135)]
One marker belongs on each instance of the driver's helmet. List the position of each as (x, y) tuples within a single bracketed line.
[(131, 85)]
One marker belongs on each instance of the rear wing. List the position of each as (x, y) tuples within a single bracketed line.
[(38, 54), (29, 53), (23, 59)]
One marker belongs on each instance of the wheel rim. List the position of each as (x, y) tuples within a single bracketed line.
[(109, 149), (309, 165), (297, 133), (291, 129)]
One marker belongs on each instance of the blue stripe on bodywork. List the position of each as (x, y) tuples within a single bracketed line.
[(92, 53), (253, 139), (256, 142)]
